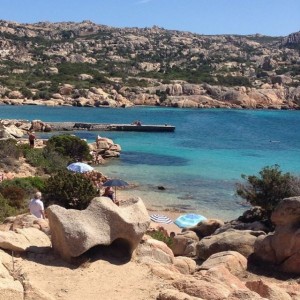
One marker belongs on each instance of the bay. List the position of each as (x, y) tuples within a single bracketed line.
[(200, 163)]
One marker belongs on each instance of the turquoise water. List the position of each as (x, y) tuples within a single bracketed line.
[(200, 163)]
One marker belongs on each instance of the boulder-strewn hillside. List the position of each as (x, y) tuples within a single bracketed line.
[(85, 64)]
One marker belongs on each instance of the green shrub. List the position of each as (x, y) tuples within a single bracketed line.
[(9, 148), (69, 190), (70, 146), (6, 210), (158, 235), (269, 188), (28, 184), (15, 196), (47, 159)]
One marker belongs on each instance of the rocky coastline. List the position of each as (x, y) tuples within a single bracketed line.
[(178, 95)]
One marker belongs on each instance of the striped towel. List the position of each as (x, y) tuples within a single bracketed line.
[(161, 219)]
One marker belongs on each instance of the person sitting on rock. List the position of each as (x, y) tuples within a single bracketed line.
[(108, 192)]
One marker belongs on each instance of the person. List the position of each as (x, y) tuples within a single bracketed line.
[(31, 138), (108, 192), (36, 206)]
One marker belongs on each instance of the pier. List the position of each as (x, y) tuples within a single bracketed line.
[(71, 126)]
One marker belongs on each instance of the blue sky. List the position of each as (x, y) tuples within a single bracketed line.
[(269, 17)]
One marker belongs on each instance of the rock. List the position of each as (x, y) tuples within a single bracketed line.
[(268, 290), (281, 247), (10, 289), (52, 70), (27, 221), (206, 227), (15, 131), (73, 232), (175, 295), (241, 241), (287, 212), (27, 239), (244, 295), (15, 95), (185, 265), (151, 250), (85, 77), (202, 288), (231, 260), (185, 243), (165, 271), (220, 274)]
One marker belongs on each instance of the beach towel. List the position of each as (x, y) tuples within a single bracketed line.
[(161, 219)]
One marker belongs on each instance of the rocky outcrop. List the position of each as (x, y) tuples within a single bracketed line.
[(26, 239), (241, 241), (231, 260), (185, 243), (281, 247), (74, 232)]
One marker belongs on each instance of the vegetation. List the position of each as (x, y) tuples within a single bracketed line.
[(47, 159), (15, 193), (160, 236), (69, 146), (69, 190), (268, 188)]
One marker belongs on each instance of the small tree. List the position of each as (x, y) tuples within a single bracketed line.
[(69, 190), (71, 146), (269, 188)]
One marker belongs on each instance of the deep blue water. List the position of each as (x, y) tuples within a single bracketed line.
[(200, 163)]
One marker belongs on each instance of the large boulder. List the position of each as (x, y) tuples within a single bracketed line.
[(73, 232), (231, 260), (152, 250), (241, 241), (15, 131), (26, 239), (281, 247), (185, 243)]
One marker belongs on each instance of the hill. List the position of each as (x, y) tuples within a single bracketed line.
[(86, 64)]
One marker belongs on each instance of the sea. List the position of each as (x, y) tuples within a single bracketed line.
[(196, 168)]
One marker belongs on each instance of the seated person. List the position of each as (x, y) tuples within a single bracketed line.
[(108, 192)]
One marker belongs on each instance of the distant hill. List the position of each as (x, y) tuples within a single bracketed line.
[(53, 60)]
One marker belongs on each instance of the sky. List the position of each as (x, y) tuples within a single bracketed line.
[(268, 17)]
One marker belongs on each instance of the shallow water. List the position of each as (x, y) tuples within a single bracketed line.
[(200, 163)]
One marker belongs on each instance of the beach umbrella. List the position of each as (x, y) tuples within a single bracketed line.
[(189, 220), (161, 219), (114, 183), (80, 167)]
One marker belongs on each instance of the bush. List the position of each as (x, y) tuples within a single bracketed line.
[(69, 190), (18, 190), (9, 148), (269, 188), (47, 159), (15, 196), (6, 210), (69, 146), (158, 235)]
